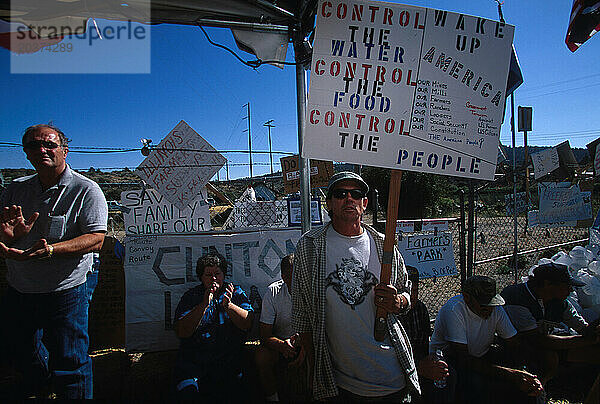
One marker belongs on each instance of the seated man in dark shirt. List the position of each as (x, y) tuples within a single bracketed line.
[(536, 307)]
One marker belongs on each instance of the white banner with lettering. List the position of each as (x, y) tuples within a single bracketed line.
[(149, 212), (159, 269), (407, 87)]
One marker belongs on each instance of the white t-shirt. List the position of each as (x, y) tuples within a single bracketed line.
[(277, 309), (362, 365), (455, 322)]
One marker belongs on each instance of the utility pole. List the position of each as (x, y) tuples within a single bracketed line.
[(227, 168), (268, 125), (249, 140)]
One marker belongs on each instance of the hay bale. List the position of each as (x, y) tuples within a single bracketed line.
[(150, 378), (110, 369), (107, 310)]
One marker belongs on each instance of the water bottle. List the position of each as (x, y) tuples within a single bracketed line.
[(440, 384)]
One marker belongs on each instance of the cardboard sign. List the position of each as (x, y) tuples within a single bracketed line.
[(545, 161), (159, 269), (150, 213), (320, 172), (560, 203), (431, 254), (406, 87), (181, 165)]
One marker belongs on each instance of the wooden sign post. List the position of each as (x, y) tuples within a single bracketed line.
[(388, 248)]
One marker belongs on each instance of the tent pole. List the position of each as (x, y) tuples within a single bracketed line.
[(304, 163)]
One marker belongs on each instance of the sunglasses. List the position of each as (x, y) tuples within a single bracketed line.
[(339, 193), (36, 144)]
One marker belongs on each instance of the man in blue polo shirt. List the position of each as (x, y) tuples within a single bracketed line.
[(51, 224)]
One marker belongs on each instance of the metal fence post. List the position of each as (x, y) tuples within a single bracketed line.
[(471, 229), (461, 239)]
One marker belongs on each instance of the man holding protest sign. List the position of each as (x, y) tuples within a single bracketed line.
[(336, 291), (51, 225)]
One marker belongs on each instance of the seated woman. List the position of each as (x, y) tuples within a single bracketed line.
[(211, 320)]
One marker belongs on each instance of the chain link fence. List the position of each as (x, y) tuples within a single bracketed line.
[(494, 237)]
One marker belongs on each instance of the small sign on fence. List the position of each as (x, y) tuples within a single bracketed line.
[(295, 214), (432, 254), (560, 202), (509, 200)]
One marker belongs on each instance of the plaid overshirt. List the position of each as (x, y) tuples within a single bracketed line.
[(308, 308)]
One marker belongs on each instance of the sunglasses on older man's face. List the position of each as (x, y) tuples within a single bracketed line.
[(36, 144), (340, 193)]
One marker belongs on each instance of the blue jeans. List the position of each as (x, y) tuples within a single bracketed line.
[(49, 338)]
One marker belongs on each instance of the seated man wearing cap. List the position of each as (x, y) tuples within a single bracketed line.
[(539, 305), (464, 330)]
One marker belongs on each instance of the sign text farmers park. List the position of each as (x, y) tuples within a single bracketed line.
[(407, 87)]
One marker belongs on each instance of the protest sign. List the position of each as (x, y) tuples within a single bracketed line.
[(405, 226), (533, 221), (148, 212), (561, 202), (295, 214), (545, 161), (320, 172), (509, 201), (181, 165), (432, 254), (434, 225), (159, 269), (407, 88)]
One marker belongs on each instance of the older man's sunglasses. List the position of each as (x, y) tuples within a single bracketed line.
[(36, 144), (340, 193)]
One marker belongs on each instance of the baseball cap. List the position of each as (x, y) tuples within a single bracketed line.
[(555, 272), (483, 289), (346, 175)]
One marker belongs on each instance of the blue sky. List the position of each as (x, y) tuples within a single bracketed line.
[(208, 88)]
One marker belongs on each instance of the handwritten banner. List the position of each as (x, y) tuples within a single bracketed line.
[(159, 269), (181, 165), (432, 254), (561, 203), (407, 87), (149, 212)]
